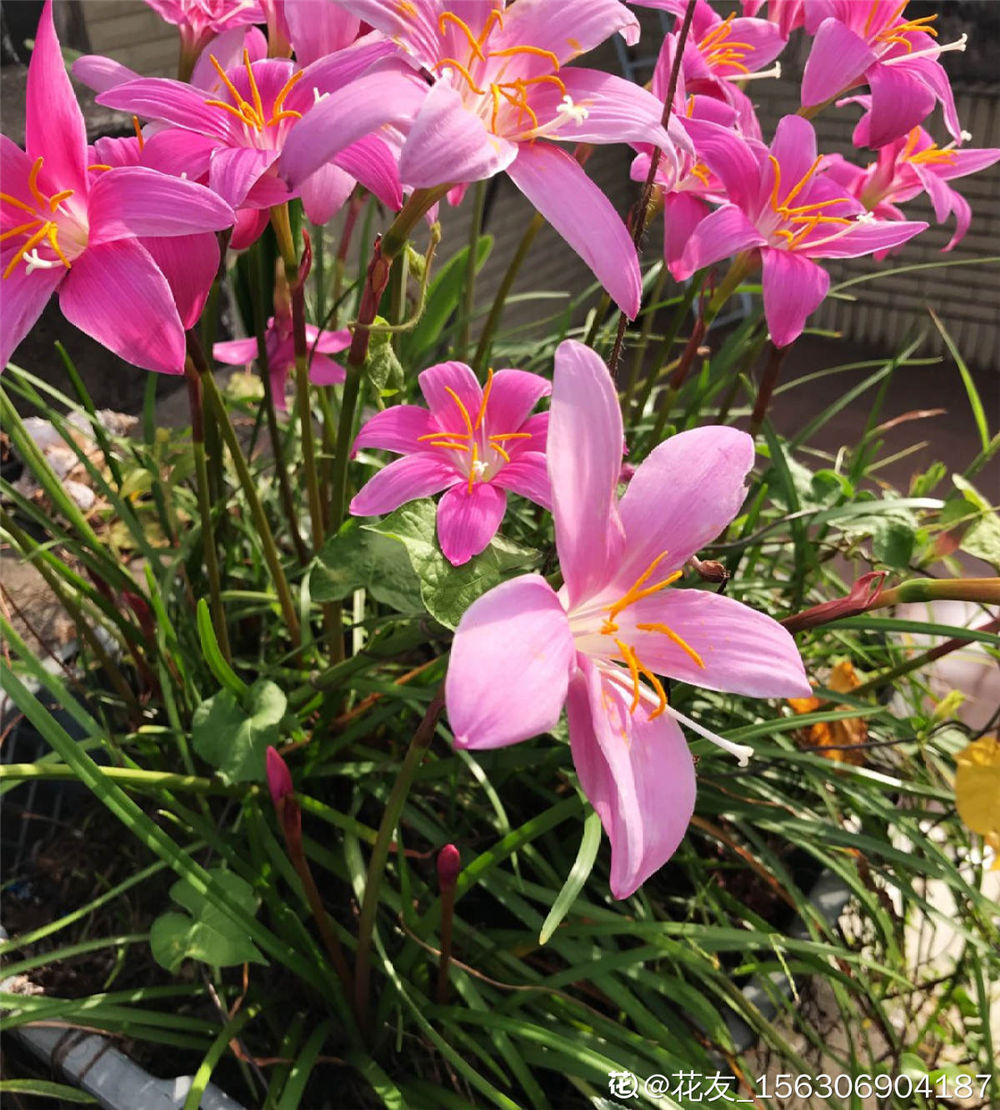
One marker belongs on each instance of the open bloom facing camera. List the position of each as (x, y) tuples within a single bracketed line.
[(522, 650)]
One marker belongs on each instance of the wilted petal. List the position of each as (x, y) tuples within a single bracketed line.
[(510, 665), (404, 480), (557, 186), (467, 519), (636, 771), (585, 454), (117, 296), (682, 496)]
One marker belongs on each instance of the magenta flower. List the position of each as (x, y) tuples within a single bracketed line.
[(909, 166), (522, 651), (785, 213), (871, 41), (68, 227), (280, 346), (474, 442), (501, 84), (233, 137), (786, 14)]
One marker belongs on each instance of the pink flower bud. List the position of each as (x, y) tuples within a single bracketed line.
[(279, 779), (449, 864)]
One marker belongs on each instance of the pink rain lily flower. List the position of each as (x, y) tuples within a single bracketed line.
[(909, 166), (474, 442), (599, 645), (68, 226), (501, 85), (858, 41), (784, 212), (280, 346), (233, 121), (199, 21)]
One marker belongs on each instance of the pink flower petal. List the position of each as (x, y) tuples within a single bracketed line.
[(324, 371), (404, 480), (528, 476), (682, 213), (900, 101), (512, 399), (53, 126), (24, 297), (442, 384), (100, 73), (731, 158), (722, 233), (467, 521), (743, 651), (837, 60), (235, 352), (557, 186), (682, 496), (862, 239), (412, 26), (328, 342), (636, 771), (159, 98), (387, 94), (585, 454), (794, 147), (325, 192), (376, 166), (510, 665), (317, 30), (396, 429), (100, 294), (190, 264), (132, 200), (234, 172), (794, 287), (447, 143), (568, 30)]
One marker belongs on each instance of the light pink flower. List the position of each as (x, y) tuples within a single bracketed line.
[(474, 442), (858, 41), (522, 651), (909, 166), (785, 212), (67, 227), (786, 14), (279, 343), (501, 90)]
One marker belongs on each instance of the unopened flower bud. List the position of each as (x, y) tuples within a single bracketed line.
[(279, 778), (449, 864), (709, 570)]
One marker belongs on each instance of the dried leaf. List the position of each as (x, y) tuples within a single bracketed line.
[(836, 740)]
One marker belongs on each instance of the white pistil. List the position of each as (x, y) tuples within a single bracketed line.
[(774, 71), (479, 468), (931, 51), (318, 97), (742, 751), (570, 111), (33, 262)]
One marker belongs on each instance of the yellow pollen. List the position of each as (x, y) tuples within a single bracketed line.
[(511, 435), (675, 639), (636, 668), (58, 198), (137, 128), (537, 51), (452, 446), (8, 199), (252, 115), (19, 230), (500, 451), (98, 166), (38, 229), (405, 8), (487, 390), (452, 63)]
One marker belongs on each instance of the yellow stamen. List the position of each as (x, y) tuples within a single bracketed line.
[(503, 454), (254, 91), (462, 409), (472, 469), (487, 389), (33, 183), (474, 43), (452, 63), (635, 593), (32, 242), (98, 166), (636, 668), (675, 639), (452, 446), (633, 668), (494, 19), (803, 181), (440, 435), (510, 435), (234, 92), (277, 111), (19, 230), (54, 243), (537, 51), (137, 127), (8, 199), (58, 198)]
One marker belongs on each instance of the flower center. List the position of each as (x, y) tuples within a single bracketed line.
[(800, 221), (484, 454), (497, 97), (636, 592), (251, 113), (719, 51), (39, 228)]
